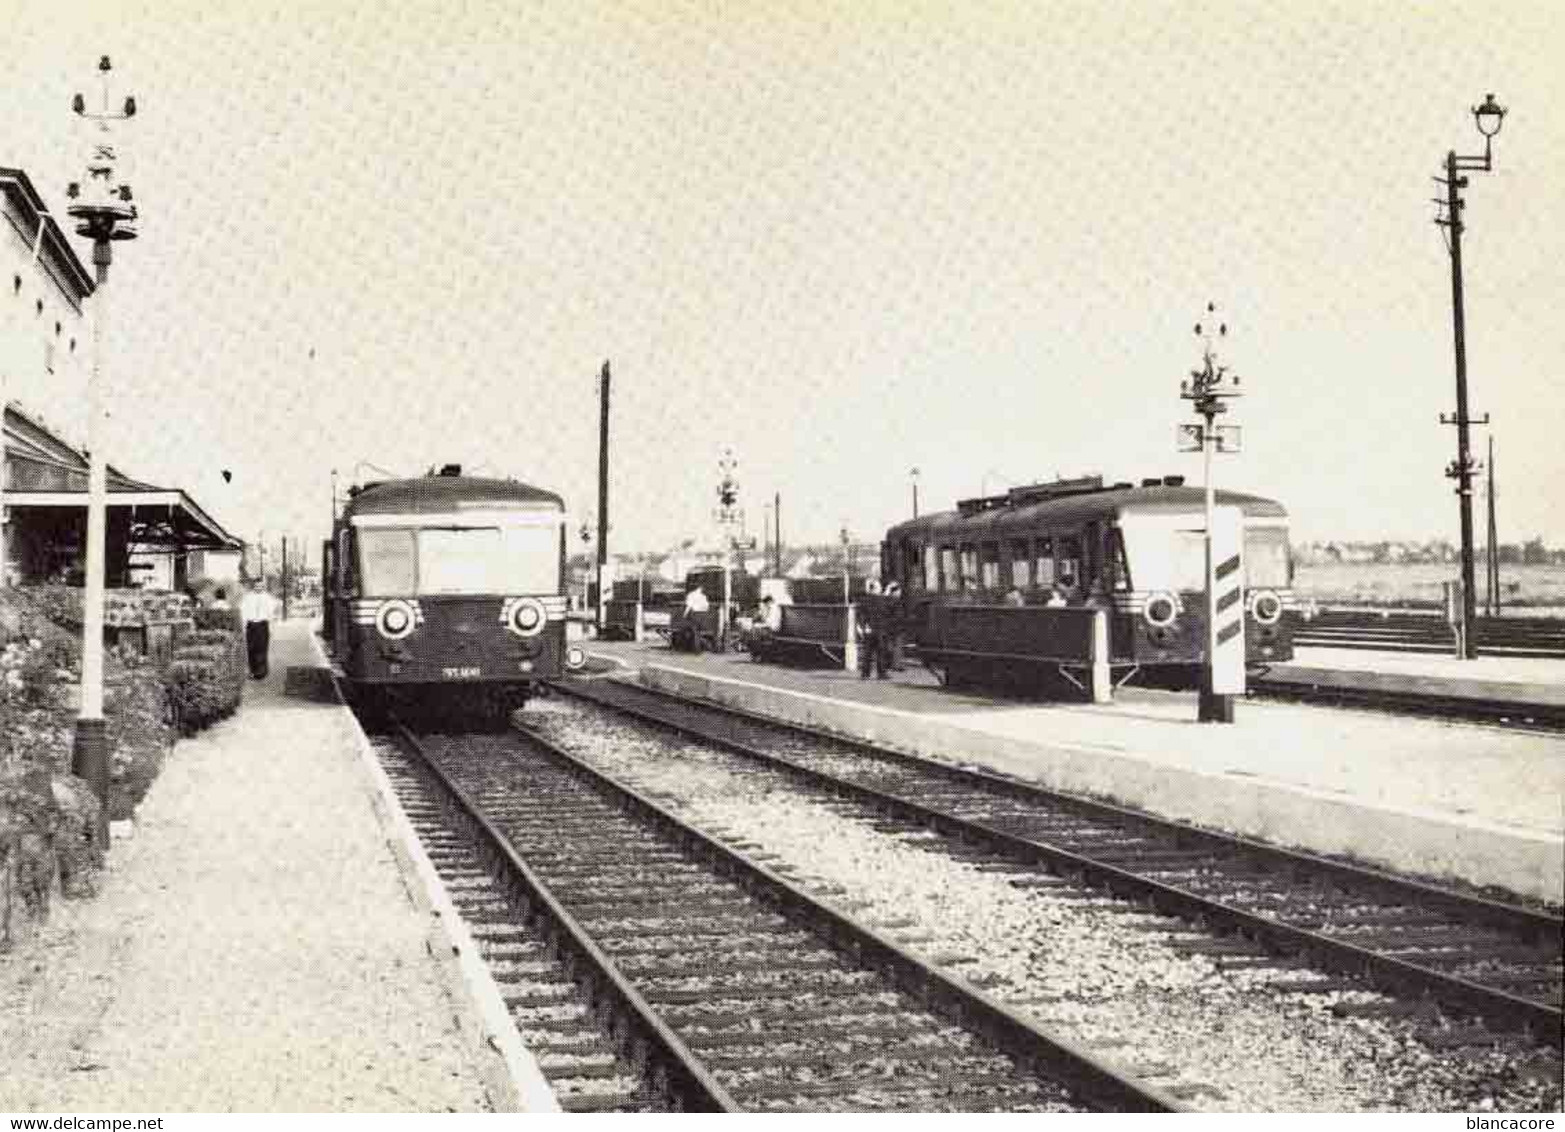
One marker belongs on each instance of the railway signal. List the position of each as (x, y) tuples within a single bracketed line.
[(1208, 389)]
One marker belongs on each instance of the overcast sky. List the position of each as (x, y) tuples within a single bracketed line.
[(846, 239)]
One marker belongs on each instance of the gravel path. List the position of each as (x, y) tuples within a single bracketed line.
[(252, 949), (1110, 979)]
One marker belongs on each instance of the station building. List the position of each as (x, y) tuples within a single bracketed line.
[(45, 356)]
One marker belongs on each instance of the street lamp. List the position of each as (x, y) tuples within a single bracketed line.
[(1487, 118), (1206, 390), (104, 214)]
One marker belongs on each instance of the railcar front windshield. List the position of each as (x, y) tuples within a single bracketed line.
[(1267, 561), (519, 559), (1166, 556)]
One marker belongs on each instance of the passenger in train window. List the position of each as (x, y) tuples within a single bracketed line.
[(1014, 597)]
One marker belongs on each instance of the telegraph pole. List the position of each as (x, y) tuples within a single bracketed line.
[(777, 533), (603, 488), (1488, 118)]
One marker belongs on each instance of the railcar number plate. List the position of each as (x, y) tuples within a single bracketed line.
[(461, 673)]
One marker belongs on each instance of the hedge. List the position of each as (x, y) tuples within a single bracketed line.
[(206, 675)]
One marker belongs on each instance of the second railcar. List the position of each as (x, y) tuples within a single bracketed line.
[(980, 583)]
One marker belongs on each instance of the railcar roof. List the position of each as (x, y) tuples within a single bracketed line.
[(1082, 507), (438, 494)]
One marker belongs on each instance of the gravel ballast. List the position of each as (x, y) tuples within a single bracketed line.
[(1095, 970)]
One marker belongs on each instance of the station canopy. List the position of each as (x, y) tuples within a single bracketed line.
[(41, 470)]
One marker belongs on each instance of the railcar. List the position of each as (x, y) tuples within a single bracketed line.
[(447, 590), (996, 587)]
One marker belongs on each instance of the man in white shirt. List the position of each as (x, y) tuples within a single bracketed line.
[(696, 602), (256, 610)]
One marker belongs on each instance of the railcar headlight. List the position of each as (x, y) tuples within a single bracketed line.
[(1266, 607), (1161, 609), (527, 617), (394, 619), (575, 658)]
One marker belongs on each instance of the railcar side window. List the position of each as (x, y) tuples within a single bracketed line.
[(969, 567), (1067, 556), (386, 562), (1121, 565), (1019, 564), (1043, 552), (345, 561), (912, 567), (989, 576), (949, 578)]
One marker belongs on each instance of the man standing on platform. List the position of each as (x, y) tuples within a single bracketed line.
[(256, 609)]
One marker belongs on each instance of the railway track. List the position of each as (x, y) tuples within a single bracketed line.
[(688, 977), (1511, 714), (1495, 962)]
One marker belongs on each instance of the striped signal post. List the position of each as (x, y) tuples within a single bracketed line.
[(1207, 390)]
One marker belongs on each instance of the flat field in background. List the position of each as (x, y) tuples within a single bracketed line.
[(1538, 589)]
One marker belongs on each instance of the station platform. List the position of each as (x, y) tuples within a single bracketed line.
[(1530, 686), (262, 942), (1453, 801)]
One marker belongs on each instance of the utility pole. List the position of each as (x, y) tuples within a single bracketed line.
[(777, 533), (603, 488), (914, 477), (1488, 119), (285, 577)]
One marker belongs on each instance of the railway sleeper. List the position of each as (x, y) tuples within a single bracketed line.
[(878, 1027), (756, 943), (750, 996), (708, 966), (804, 1008), (955, 1093), (863, 1064), (603, 908)]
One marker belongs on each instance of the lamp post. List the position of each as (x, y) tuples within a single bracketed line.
[(913, 475), (105, 215), (1487, 118), (1207, 389)]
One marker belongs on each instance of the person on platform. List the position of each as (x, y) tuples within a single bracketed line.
[(695, 601), (871, 633), (771, 614), (256, 609)]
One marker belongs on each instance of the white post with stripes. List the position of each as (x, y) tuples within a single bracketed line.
[(850, 640), (1225, 613), (1222, 676)]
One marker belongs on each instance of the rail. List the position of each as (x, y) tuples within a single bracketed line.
[(1542, 637)]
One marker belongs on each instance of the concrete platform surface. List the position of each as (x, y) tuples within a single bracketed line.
[(1470, 802), (253, 947)]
